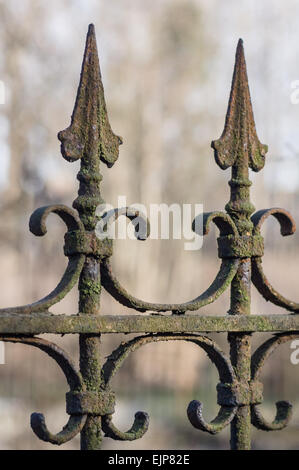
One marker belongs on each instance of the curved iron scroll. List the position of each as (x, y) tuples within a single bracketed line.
[(287, 227), (283, 408), (137, 218), (194, 411), (76, 422), (222, 280), (37, 225)]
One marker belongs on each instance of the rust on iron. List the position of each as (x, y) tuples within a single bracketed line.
[(90, 139), (45, 322), (90, 401)]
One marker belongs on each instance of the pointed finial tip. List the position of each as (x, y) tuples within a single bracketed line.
[(91, 33), (240, 54), (91, 40), (240, 47), (90, 134), (239, 122)]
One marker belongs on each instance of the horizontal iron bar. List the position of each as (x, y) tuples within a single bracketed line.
[(38, 323)]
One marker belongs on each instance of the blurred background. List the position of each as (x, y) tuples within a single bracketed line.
[(166, 67)]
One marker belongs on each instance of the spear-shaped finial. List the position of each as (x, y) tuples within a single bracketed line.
[(89, 135), (239, 144)]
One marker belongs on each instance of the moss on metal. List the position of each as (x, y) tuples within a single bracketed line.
[(90, 401), (45, 322), (245, 246)]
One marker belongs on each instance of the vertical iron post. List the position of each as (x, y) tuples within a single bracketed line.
[(240, 148), (90, 139)]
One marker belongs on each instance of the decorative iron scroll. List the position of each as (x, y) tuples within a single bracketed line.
[(90, 401), (76, 384), (226, 376)]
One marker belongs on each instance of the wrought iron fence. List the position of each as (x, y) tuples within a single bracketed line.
[(90, 401)]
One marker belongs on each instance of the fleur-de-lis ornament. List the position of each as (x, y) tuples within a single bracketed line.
[(90, 137)]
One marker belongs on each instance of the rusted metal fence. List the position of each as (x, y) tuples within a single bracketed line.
[(90, 401)]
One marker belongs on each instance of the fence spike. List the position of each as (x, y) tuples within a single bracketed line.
[(90, 135), (239, 143)]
